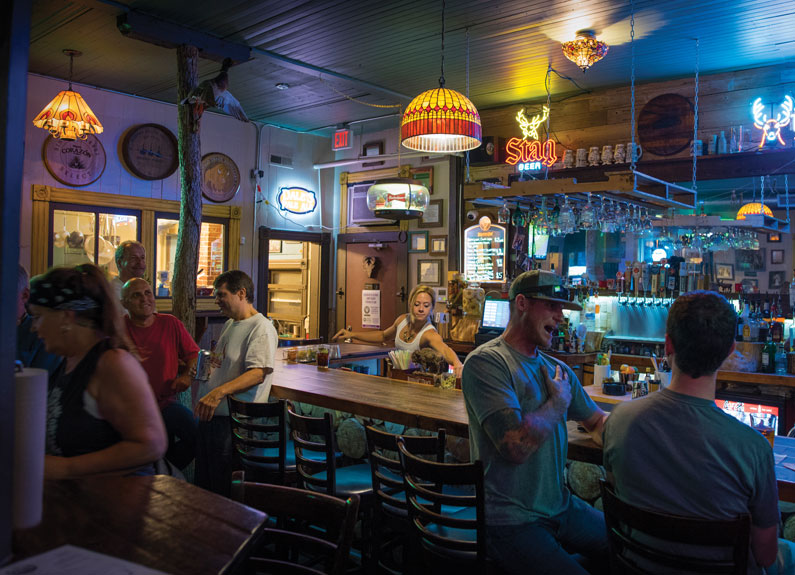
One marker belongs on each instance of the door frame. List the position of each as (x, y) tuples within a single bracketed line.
[(365, 238), (263, 273)]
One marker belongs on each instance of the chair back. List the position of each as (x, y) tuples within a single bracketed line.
[(447, 522), (314, 435), (385, 467), (259, 437), (311, 534), (629, 555)]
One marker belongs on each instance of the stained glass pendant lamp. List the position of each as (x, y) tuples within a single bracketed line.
[(754, 209), (441, 120), (585, 50), (67, 116)]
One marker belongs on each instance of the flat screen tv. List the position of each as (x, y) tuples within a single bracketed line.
[(754, 410)]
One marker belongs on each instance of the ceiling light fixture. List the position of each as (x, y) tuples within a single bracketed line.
[(68, 117), (754, 209), (585, 50), (441, 120), (282, 86)]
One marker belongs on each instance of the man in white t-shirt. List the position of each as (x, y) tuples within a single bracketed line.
[(242, 363), (130, 259)]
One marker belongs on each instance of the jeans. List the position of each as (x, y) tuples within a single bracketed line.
[(545, 545), (181, 429), (215, 456)]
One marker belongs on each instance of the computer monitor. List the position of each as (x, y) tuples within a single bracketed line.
[(495, 314), (538, 244)]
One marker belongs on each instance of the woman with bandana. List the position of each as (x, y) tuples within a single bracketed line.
[(101, 414)]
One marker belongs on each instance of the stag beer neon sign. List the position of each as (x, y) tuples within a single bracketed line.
[(771, 127), (530, 154)]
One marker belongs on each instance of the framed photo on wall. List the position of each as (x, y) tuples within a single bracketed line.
[(750, 260), (372, 149), (776, 256), (724, 271), (429, 272), (774, 237), (418, 242), (776, 280), (438, 245), (275, 246), (424, 176), (433, 216)]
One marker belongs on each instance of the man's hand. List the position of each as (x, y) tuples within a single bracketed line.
[(558, 387), (181, 382), (207, 404)]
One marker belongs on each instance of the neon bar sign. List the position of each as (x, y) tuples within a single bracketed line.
[(296, 200), (771, 128), (532, 154)]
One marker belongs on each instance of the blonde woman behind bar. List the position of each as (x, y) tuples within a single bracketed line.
[(411, 331)]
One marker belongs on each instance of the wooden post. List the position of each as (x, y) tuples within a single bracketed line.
[(190, 212)]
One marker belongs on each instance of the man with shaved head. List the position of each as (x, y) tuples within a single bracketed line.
[(162, 342)]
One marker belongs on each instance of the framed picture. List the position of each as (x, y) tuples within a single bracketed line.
[(275, 246), (774, 237), (776, 256), (438, 245), (776, 280), (750, 260), (373, 149), (424, 176), (418, 242), (433, 216), (750, 285), (429, 272), (724, 271)]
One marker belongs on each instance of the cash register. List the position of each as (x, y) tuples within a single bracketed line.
[(495, 318)]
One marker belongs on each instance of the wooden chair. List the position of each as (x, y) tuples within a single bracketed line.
[(629, 555), (307, 533), (390, 512), (316, 459), (259, 436), (447, 526)]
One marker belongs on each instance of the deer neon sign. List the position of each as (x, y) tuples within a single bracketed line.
[(533, 153), (771, 127)]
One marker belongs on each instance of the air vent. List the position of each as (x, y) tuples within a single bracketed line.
[(281, 161)]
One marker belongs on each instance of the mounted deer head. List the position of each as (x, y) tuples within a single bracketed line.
[(771, 128)]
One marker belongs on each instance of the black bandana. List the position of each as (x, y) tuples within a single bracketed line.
[(45, 294)]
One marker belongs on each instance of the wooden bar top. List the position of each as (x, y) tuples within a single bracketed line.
[(158, 521)]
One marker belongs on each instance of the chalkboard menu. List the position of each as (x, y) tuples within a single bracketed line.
[(484, 252)]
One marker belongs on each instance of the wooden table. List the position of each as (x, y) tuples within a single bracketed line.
[(412, 404), (160, 522)]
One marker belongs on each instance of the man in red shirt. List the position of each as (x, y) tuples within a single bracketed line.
[(162, 342)]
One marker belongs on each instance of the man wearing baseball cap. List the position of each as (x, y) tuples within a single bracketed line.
[(518, 400)]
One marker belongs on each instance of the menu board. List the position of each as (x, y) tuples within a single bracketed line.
[(484, 252)]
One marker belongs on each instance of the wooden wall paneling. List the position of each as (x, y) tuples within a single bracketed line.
[(233, 241), (40, 231), (148, 240)]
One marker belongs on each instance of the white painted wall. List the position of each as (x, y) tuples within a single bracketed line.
[(219, 133)]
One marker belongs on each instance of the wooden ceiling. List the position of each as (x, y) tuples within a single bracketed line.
[(383, 53)]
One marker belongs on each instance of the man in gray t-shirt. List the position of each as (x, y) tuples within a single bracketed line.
[(518, 401), (242, 362), (674, 451)]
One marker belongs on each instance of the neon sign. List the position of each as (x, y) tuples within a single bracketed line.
[(296, 200), (771, 128), (530, 154)]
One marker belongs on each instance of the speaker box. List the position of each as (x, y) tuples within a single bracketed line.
[(491, 151)]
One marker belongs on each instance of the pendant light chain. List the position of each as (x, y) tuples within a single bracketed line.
[(467, 94), (695, 124), (71, 67), (441, 78), (547, 81)]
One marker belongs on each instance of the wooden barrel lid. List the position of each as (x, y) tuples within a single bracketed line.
[(665, 125)]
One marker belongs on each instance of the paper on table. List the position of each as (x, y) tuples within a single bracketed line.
[(71, 560), (779, 457), (789, 466)]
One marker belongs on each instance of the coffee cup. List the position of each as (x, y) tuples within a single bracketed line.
[(620, 154), (638, 152), (607, 154), (568, 159)]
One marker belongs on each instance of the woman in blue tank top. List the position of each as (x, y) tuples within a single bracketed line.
[(101, 413), (411, 331)]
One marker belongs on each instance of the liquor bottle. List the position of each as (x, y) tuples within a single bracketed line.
[(777, 331), (780, 362), (768, 356), (747, 321), (740, 321), (722, 143), (766, 308), (792, 292)]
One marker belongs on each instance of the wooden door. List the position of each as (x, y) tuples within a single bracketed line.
[(390, 256)]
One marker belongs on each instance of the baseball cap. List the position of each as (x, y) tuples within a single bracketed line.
[(541, 284)]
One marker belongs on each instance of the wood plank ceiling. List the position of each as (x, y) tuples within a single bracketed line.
[(385, 52)]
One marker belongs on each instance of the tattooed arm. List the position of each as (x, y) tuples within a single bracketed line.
[(517, 436)]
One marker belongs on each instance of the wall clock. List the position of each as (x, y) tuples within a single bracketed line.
[(149, 151), (220, 177), (74, 162)]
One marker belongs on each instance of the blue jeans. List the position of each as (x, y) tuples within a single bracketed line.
[(181, 429), (215, 456), (546, 545)]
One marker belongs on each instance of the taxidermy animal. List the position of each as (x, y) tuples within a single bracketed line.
[(214, 93)]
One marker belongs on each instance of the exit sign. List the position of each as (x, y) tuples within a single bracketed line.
[(343, 139)]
